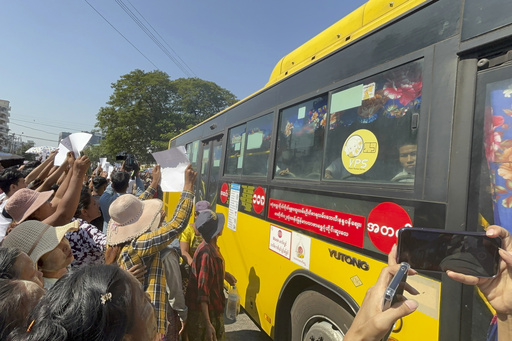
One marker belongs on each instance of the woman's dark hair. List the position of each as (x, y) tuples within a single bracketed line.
[(8, 256), (85, 201), (8, 177), (73, 308), (120, 181), (16, 303), (98, 181)]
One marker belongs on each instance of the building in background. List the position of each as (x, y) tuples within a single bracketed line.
[(4, 125)]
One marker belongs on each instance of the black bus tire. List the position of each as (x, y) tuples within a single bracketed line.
[(316, 317)]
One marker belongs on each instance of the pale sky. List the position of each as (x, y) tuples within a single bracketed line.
[(59, 58)]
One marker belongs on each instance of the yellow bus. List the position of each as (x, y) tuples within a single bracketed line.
[(397, 115)]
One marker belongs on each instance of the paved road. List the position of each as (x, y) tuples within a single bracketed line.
[(243, 329)]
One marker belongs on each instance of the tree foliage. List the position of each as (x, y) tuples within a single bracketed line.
[(147, 109)]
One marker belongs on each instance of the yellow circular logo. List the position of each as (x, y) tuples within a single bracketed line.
[(360, 151)]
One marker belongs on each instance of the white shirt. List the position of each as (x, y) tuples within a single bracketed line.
[(4, 222)]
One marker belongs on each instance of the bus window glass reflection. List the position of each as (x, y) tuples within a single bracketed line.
[(301, 139), (377, 113), (257, 148)]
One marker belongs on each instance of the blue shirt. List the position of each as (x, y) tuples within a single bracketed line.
[(106, 199)]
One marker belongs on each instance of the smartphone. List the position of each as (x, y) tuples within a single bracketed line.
[(469, 253), (395, 289)]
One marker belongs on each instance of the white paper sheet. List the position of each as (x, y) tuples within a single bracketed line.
[(109, 169), (103, 161), (61, 155), (75, 142), (173, 163)]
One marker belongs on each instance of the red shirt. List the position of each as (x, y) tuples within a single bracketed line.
[(206, 283)]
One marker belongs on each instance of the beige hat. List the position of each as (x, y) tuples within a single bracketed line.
[(25, 202), (36, 238), (131, 217)]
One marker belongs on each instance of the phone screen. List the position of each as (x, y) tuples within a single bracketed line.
[(469, 253)]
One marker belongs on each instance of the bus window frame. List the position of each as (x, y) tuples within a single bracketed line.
[(381, 188), (243, 177)]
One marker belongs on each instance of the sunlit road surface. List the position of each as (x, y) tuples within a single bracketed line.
[(243, 329)]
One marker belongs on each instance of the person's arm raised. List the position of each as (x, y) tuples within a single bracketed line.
[(37, 171), (67, 166), (53, 178), (69, 203)]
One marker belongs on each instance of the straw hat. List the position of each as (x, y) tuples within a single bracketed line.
[(25, 202), (36, 238), (131, 217), (209, 224)]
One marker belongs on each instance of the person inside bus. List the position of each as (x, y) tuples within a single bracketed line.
[(371, 323), (407, 157)]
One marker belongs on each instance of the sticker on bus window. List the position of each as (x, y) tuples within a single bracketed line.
[(280, 241), (360, 151), (369, 91), (384, 222), (302, 113)]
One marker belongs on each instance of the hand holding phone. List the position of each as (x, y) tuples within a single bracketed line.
[(469, 253), (394, 291)]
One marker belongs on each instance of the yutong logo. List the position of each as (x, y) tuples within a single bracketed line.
[(361, 264)]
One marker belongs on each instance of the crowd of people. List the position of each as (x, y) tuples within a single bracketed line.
[(86, 258), (83, 257)]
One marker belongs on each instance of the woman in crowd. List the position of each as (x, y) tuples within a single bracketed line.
[(191, 238), (132, 242), (17, 299), (46, 245), (16, 264), (27, 204), (94, 303), (99, 184), (88, 243)]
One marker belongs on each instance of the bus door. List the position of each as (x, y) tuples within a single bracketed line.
[(490, 192), (209, 173)]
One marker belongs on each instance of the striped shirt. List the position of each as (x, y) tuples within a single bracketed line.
[(146, 249)]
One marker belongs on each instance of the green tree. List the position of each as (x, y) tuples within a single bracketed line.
[(146, 109)]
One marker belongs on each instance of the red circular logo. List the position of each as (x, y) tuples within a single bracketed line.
[(258, 200), (384, 222), (224, 192)]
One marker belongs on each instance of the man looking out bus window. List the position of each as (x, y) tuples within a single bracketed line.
[(407, 156)]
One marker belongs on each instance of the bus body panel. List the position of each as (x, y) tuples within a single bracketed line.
[(454, 46)]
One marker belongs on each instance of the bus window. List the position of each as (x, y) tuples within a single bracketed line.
[(192, 151), (492, 151), (213, 181), (301, 139), (257, 148), (235, 151), (372, 128)]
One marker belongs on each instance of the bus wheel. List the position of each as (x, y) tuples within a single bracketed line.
[(315, 317)]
